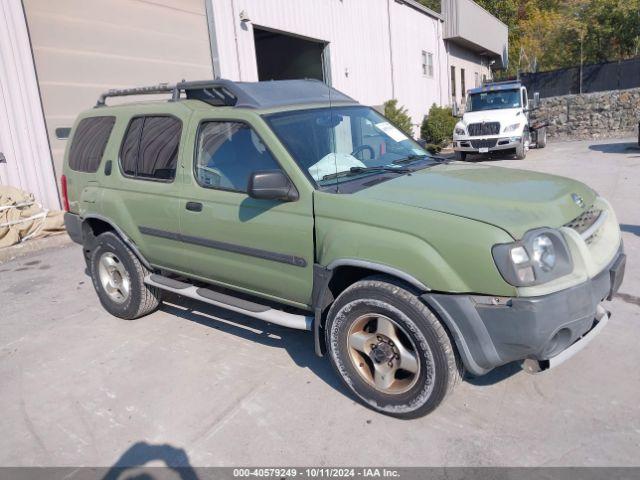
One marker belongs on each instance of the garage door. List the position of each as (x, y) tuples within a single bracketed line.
[(84, 47)]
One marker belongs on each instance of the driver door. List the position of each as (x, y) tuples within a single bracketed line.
[(263, 247)]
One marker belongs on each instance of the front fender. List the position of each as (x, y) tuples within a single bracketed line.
[(443, 252)]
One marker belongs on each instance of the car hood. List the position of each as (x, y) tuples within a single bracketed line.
[(513, 200)]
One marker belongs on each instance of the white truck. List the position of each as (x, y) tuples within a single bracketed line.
[(496, 119)]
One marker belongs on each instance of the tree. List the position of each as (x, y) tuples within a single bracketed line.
[(432, 4), (437, 127), (553, 32), (399, 116)]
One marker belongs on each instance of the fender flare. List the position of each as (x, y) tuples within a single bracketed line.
[(123, 236), (321, 300)]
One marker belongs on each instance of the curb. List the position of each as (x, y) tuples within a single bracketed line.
[(33, 246)]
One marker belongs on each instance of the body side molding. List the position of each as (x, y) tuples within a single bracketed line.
[(228, 247)]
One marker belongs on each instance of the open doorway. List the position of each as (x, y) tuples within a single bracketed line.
[(285, 57)]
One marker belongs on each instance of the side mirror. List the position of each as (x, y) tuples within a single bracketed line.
[(536, 99), (271, 185), (455, 110)]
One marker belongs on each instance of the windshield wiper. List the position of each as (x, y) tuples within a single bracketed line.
[(357, 170), (409, 159), (413, 158)]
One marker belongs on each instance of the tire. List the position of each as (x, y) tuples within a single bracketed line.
[(521, 152), (541, 138), (118, 277), (433, 368), (462, 156)]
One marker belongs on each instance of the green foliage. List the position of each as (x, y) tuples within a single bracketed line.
[(432, 4), (437, 127), (550, 34), (399, 116)]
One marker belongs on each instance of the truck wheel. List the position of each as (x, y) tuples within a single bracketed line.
[(521, 152), (541, 138), (118, 277), (462, 156), (390, 350)]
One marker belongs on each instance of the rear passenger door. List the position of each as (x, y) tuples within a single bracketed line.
[(141, 193), (263, 247)]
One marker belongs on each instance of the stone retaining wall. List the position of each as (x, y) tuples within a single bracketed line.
[(592, 115)]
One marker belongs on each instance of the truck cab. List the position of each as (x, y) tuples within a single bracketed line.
[(496, 119)]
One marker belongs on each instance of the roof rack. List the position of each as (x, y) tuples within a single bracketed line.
[(241, 94), (123, 92)]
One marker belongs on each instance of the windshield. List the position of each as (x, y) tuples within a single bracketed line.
[(493, 100), (341, 143)]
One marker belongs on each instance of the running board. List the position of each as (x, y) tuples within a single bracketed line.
[(246, 307)]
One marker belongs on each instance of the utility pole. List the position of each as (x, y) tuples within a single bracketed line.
[(581, 58)]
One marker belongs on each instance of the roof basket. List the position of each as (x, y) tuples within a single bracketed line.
[(212, 92), (241, 94)]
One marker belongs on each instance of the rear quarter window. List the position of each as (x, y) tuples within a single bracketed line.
[(88, 144)]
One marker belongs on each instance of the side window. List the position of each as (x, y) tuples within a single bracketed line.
[(129, 150), (227, 153), (150, 148), (89, 141)]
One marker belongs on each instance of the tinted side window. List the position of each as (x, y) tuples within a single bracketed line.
[(150, 148), (130, 144), (89, 142), (227, 154)]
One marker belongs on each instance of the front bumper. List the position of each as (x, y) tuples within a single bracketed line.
[(490, 332), (492, 144)]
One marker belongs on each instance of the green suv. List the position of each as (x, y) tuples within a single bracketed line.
[(289, 202)]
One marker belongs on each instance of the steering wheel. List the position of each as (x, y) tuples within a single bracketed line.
[(362, 148), (209, 175)]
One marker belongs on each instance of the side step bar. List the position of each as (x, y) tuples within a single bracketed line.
[(246, 307)]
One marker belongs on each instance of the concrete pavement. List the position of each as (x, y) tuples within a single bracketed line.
[(208, 387)]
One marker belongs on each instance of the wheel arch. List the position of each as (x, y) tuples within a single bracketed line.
[(330, 281), (94, 224)]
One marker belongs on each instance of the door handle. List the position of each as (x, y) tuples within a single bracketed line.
[(194, 206)]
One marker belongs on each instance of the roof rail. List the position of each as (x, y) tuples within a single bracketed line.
[(221, 92), (215, 92), (123, 92)]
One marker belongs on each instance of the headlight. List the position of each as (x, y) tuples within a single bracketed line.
[(544, 254), (512, 128), (541, 256), (460, 131)]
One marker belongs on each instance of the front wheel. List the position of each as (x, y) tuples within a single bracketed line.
[(390, 350), (462, 156)]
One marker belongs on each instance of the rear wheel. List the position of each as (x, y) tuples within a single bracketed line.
[(541, 138), (118, 277), (390, 349)]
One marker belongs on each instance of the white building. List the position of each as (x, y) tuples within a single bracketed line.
[(57, 57)]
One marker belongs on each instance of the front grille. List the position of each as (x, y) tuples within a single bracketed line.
[(583, 222), (489, 128), (488, 143)]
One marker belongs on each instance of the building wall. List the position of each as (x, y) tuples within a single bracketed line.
[(375, 46), (23, 137), (473, 64), (470, 24), (84, 47)]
